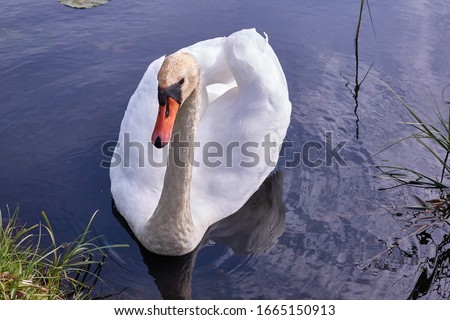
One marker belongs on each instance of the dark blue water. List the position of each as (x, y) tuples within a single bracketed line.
[(65, 79)]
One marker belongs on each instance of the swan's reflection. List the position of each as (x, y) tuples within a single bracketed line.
[(254, 228)]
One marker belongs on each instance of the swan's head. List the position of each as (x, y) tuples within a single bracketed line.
[(178, 77)]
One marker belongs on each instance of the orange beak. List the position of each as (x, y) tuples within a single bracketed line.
[(164, 123)]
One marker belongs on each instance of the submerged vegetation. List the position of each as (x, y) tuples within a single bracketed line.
[(28, 270)]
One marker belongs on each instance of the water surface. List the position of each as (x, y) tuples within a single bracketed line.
[(65, 79)]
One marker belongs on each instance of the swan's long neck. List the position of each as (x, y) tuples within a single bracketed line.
[(172, 230)]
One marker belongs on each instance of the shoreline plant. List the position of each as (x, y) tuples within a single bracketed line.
[(435, 139), (30, 270)]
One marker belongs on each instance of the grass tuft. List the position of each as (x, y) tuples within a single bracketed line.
[(435, 139), (29, 271)]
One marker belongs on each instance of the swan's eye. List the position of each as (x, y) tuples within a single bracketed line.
[(181, 81)]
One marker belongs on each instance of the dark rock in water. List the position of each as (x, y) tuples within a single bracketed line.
[(83, 4)]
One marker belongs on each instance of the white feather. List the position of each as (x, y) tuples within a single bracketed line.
[(244, 98)]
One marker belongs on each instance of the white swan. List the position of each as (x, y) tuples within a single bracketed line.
[(228, 93)]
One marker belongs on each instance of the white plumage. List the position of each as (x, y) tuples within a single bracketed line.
[(244, 98)]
